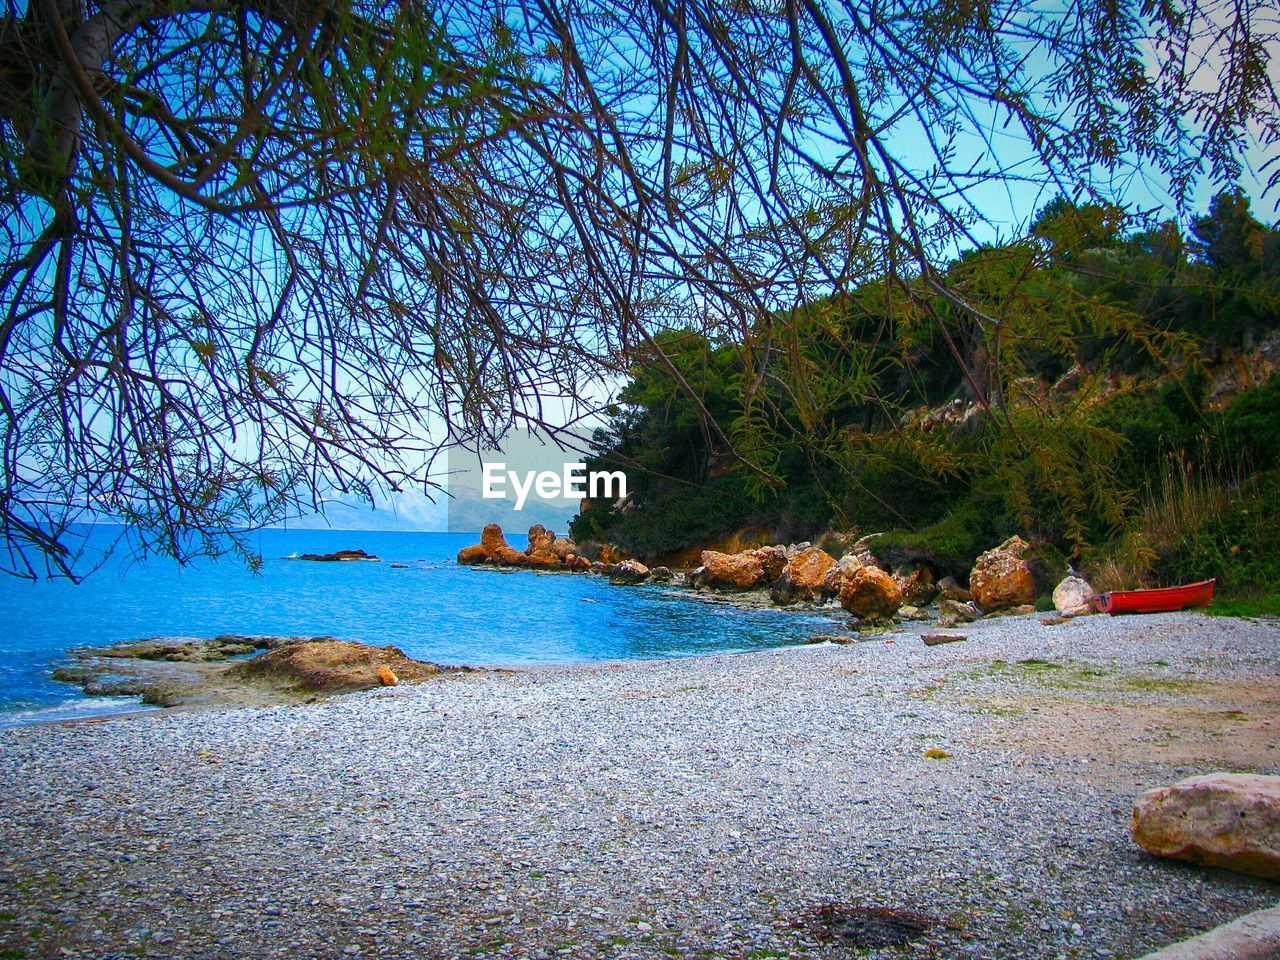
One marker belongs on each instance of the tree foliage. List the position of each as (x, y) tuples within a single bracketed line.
[(255, 250)]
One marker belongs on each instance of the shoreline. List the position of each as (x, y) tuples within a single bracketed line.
[(703, 805), (220, 695)]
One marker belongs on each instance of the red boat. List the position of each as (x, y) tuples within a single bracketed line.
[(1158, 601)]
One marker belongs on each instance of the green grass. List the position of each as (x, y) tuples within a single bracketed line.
[(1155, 684), (1072, 676), (1258, 605)]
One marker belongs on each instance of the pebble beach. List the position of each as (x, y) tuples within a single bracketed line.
[(719, 806)]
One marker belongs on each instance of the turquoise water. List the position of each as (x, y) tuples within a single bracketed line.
[(433, 610)]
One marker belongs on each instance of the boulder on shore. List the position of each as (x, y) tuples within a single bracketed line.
[(629, 572), (746, 570), (1002, 578), (1074, 597), (1229, 820), (550, 552), (731, 571), (773, 560), (870, 592), (949, 589), (918, 588), (843, 569), (803, 576), (952, 612)]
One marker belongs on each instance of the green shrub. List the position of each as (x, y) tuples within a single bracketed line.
[(1048, 565), (1229, 529), (1250, 427), (950, 545)]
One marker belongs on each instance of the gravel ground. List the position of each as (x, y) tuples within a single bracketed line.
[(701, 807)]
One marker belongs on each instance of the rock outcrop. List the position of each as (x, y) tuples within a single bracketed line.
[(803, 576), (331, 666), (542, 548), (546, 551), (493, 548), (870, 592), (1229, 820), (1074, 597), (199, 672), (549, 552), (1002, 578), (339, 556)]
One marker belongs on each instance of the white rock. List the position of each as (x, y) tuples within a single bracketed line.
[(1074, 597)]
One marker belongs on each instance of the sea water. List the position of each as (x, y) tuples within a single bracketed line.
[(430, 607)]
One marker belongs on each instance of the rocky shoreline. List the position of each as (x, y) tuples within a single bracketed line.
[(772, 804), (1008, 579), (192, 672), (234, 670)]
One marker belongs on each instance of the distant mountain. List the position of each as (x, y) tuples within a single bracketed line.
[(400, 512), (468, 511)]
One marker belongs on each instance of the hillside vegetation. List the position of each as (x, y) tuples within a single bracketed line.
[(1112, 394)]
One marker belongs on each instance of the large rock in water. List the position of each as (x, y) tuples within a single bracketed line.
[(1001, 578), (803, 576), (541, 550), (339, 556), (1074, 597), (870, 592), (1229, 820), (493, 548)]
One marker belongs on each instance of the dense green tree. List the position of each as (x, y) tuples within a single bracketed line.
[(1092, 372)]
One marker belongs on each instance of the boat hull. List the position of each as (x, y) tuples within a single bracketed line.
[(1161, 600)]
